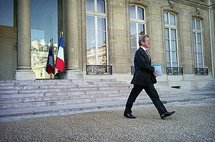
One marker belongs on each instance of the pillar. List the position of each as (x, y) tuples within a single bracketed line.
[(24, 71), (71, 39), (211, 15)]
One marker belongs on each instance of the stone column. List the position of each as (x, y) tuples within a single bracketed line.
[(212, 36), (24, 71), (71, 39)]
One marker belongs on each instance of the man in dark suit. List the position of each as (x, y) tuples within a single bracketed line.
[(144, 78)]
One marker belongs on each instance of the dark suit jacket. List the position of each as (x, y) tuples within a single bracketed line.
[(143, 74)]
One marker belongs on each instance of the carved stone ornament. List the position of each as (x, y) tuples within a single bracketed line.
[(198, 11), (171, 4)]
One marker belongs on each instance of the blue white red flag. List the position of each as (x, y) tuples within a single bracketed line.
[(60, 56), (50, 62)]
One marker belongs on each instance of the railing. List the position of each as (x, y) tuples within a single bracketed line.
[(174, 70), (179, 71), (98, 70), (201, 71)]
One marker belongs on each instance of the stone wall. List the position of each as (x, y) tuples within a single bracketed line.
[(118, 36), (8, 55)]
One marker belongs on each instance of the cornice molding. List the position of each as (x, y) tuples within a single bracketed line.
[(203, 4), (144, 3)]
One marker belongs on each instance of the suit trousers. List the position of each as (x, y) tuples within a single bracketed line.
[(152, 93)]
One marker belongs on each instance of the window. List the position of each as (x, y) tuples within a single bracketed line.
[(6, 12), (170, 31), (197, 42), (137, 27), (96, 25), (44, 27)]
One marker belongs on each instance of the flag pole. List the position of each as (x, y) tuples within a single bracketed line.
[(61, 34), (59, 74), (51, 45), (60, 56)]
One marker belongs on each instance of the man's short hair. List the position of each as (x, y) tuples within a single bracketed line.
[(142, 38)]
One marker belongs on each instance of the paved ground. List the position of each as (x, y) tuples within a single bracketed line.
[(193, 122)]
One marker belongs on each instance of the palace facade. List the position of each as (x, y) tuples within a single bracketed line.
[(101, 37)]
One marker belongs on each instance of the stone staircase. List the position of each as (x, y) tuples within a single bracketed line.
[(210, 86), (20, 98), (41, 97)]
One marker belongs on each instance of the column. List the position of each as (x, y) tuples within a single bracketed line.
[(212, 36), (71, 39), (24, 71)]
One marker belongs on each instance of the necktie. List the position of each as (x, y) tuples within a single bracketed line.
[(148, 55)]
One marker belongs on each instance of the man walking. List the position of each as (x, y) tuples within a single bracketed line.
[(144, 78)]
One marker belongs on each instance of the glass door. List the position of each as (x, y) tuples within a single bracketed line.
[(44, 30)]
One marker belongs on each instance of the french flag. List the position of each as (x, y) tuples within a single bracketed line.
[(50, 62), (60, 56)]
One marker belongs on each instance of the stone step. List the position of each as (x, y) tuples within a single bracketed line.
[(64, 100), (61, 86), (94, 96), (21, 112), (210, 85), (61, 95), (23, 94), (57, 82), (69, 91), (66, 107), (41, 96)]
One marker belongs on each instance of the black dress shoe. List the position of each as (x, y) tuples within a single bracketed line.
[(166, 114), (129, 115)]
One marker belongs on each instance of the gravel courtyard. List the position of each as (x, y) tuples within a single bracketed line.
[(192, 122)]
